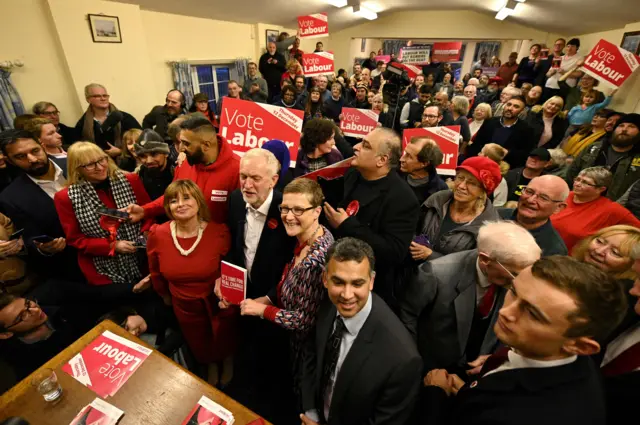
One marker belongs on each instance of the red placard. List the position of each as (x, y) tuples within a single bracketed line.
[(383, 58), (610, 64), (358, 122), (318, 63), (313, 26), (247, 125), (446, 52), (99, 412), (208, 411), (106, 363), (447, 138), (412, 70), (331, 172), (233, 283)]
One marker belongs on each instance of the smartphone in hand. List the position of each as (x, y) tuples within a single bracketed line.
[(113, 213)]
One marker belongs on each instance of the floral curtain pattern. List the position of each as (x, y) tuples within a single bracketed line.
[(182, 80), (10, 102), (393, 46)]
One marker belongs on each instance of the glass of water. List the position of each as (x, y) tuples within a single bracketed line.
[(46, 382)]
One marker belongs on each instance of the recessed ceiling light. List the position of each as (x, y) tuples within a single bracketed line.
[(337, 3), (503, 13)]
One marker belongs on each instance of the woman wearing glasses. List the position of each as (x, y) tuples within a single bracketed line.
[(453, 217), (108, 250), (293, 304), (588, 210), (49, 111)]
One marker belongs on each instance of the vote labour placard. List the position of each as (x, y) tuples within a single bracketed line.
[(233, 283), (247, 125), (313, 26), (318, 63), (358, 122), (447, 138), (107, 363), (446, 52), (610, 64)]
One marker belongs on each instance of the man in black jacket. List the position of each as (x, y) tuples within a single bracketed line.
[(272, 66), (377, 207), (509, 132), (518, 178), (162, 115), (156, 172), (553, 315)]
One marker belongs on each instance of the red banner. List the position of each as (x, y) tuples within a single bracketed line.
[(447, 138), (446, 52), (107, 363), (313, 26), (358, 122), (412, 70), (233, 283), (332, 171), (610, 64), (383, 58), (247, 125), (318, 63)]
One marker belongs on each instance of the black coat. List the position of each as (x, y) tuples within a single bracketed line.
[(380, 377), (158, 119), (561, 395), (558, 129), (107, 135), (275, 248), (272, 72), (519, 143), (386, 220)]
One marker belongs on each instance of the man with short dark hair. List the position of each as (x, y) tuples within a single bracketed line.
[(508, 69), (418, 166), (254, 86), (156, 172), (358, 343), (319, 47), (370, 63), (234, 92), (377, 206), (162, 115), (518, 178), (272, 66), (361, 101), (379, 70), (431, 116), (411, 114), (554, 314), (508, 131)]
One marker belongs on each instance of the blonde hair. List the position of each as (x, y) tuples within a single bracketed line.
[(487, 110), (188, 187), (632, 239), (81, 153), (132, 134), (538, 108), (496, 153)]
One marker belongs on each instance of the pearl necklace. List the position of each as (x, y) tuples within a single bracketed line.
[(177, 245)]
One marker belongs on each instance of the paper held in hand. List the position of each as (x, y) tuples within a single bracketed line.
[(233, 283), (209, 412), (98, 412)]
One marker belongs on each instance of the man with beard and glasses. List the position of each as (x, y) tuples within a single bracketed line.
[(211, 164), (162, 115), (620, 154), (155, 171), (28, 201)]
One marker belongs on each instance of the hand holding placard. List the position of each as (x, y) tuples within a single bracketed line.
[(233, 283)]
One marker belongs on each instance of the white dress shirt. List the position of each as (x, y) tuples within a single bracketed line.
[(516, 361), (482, 284), (622, 342), (256, 218), (51, 187)]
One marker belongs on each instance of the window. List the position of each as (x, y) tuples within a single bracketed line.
[(213, 80)]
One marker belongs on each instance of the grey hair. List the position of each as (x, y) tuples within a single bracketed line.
[(460, 104), (558, 157), (88, 87), (391, 145), (273, 165), (600, 175), (508, 243), (40, 107), (472, 87), (513, 91), (473, 82)]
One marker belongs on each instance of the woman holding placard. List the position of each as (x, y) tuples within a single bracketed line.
[(317, 147)]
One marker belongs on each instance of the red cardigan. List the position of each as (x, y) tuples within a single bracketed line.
[(89, 247)]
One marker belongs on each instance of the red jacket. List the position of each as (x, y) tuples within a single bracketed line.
[(89, 247), (216, 181)]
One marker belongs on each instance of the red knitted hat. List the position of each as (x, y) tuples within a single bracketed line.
[(485, 170)]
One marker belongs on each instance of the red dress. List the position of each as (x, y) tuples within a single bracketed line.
[(209, 331)]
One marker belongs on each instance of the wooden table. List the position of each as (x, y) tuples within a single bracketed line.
[(159, 392)]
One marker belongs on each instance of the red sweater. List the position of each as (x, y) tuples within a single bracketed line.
[(216, 181), (578, 221), (90, 247)]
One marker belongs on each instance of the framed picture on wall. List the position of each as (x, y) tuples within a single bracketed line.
[(105, 29), (631, 42), (271, 36)]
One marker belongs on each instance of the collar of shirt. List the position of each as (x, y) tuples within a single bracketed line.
[(57, 176), (355, 323), (483, 281), (516, 361), (508, 126), (264, 208)]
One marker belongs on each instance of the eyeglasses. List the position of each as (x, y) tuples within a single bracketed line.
[(511, 275), (582, 181), (460, 178), (51, 113), (431, 117), (100, 96), (25, 313), (93, 165), (297, 211), (544, 198)]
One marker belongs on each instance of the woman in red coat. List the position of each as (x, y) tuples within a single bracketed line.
[(107, 251), (184, 261)]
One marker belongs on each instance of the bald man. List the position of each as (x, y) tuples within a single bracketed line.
[(540, 199)]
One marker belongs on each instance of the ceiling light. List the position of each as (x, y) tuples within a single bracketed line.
[(503, 13), (365, 13), (339, 3), (521, 1)]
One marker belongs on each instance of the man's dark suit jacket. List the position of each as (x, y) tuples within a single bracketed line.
[(275, 248), (33, 210), (520, 142), (379, 379), (386, 220), (560, 395), (438, 309)]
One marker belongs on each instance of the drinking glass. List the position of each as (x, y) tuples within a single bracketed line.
[(46, 382)]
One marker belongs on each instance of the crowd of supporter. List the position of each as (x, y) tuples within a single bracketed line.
[(394, 294)]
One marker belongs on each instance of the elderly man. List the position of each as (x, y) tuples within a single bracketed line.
[(162, 115), (451, 306), (518, 178), (255, 86), (377, 206), (272, 66), (418, 166), (543, 197), (322, 85)]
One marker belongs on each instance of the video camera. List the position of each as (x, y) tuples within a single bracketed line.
[(397, 80)]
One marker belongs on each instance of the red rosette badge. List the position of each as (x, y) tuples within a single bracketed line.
[(353, 208), (272, 223)]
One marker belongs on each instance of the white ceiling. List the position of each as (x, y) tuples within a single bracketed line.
[(568, 17)]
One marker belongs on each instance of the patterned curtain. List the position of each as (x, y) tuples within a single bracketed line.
[(182, 80), (10, 102), (241, 68), (393, 46), (491, 47)]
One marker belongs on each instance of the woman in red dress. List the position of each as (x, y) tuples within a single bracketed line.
[(184, 261)]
